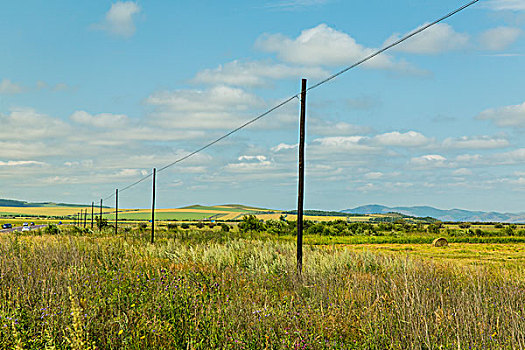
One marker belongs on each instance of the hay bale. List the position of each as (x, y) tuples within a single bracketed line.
[(440, 242)]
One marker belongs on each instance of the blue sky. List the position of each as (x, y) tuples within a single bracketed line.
[(93, 95)]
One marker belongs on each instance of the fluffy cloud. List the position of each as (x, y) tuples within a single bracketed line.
[(103, 120), (8, 87), (514, 5), (119, 19), (334, 128), (341, 144), (499, 38), (476, 142), (220, 107), (462, 172), (513, 115), (249, 164), (255, 73), (429, 161), (16, 163), (323, 46), (397, 139), (436, 39), (29, 124)]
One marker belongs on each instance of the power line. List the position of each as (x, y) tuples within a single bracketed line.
[(333, 76), (395, 43)]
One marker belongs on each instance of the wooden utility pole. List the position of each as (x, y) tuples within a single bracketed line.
[(300, 199), (153, 207), (92, 212), (100, 217), (85, 217), (116, 211)]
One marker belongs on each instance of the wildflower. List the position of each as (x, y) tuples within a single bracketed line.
[(120, 332)]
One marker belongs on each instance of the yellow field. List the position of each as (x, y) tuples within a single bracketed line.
[(47, 211), (508, 255)]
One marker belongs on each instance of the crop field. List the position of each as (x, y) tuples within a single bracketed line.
[(237, 288), (190, 213)]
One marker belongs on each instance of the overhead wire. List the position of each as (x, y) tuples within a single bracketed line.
[(316, 85)]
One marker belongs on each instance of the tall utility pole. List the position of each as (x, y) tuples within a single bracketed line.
[(116, 211), (92, 212), (153, 207), (300, 199)]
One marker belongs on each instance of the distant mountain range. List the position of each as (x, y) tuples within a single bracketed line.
[(22, 204), (440, 214)]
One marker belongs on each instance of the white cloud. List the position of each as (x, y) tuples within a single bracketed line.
[(513, 115), (429, 161), (14, 163), (514, 5), (462, 172), (283, 146), (397, 139), (476, 142), (28, 124), (119, 19), (8, 87), (341, 144), (374, 175), (334, 128), (324, 46), (255, 73), (499, 38), (436, 39), (250, 164), (103, 120), (220, 107)]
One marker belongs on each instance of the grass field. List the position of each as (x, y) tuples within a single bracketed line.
[(207, 289)]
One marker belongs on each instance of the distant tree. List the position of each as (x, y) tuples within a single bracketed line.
[(251, 223)]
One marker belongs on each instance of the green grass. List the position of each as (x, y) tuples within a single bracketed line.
[(401, 239), (213, 290)]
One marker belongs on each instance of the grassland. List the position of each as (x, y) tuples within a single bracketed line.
[(211, 289)]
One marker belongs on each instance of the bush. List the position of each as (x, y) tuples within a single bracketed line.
[(185, 225), (172, 226), (51, 230), (199, 225), (225, 228), (251, 223)]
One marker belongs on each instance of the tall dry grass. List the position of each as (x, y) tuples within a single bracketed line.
[(78, 292)]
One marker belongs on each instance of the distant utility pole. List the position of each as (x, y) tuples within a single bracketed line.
[(100, 218), (92, 212), (300, 199), (116, 211), (153, 207)]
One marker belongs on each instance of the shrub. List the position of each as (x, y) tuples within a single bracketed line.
[(225, 227), (185, 225), (51, 230), (251, 223), (200, 225)]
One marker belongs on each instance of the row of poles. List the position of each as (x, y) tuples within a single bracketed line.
[(300, 191)]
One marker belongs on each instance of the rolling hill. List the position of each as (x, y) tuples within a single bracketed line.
[(440, 214)]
